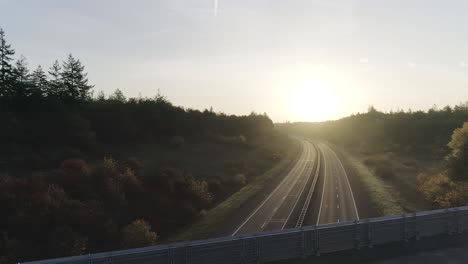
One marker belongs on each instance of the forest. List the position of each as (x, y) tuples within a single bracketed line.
[(82, 173), (422, 153)]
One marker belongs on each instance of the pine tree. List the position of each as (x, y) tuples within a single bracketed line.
[(6, 69), (118, 96), (23, 85), (56, 87), (101, 96), (74, 80), (39, 80)]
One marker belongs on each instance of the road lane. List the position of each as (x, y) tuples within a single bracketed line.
[(337, 201), (274, 211)]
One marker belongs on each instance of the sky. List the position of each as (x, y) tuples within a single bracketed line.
[(296, 60)]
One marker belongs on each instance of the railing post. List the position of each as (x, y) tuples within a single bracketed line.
[(357, 237), (449, 219), (303, 244), (405, 228), (369, 233), (188, 253), (416, 226), (316, 241), (456, 220), (242, 252), (258, 254), (170, 255)]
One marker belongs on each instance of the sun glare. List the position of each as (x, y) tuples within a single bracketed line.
[(313, 101)]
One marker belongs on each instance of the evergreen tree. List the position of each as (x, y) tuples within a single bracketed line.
[(23, 86), (6, 69), (56, 87), (101, 96), (74, 80), (118, 96), (39, 80)]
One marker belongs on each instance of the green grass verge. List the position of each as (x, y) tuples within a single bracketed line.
[(208, 224), (382, 195)]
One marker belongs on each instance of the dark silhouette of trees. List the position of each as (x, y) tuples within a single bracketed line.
[(23, 87), (58, 195), (55, 86), (74, 80), (117, 96), (6, 69), (39, 81)]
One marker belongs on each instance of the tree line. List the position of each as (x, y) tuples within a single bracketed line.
[(63, 193), (438, 136), (66, 81)]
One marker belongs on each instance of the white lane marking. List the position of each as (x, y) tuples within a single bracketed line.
[(264, 224), (277, 220), (308, 175), (349, 185), (338, 220), (323, 190), (338, 206), (336, 195), (274, 209), (286, 179)]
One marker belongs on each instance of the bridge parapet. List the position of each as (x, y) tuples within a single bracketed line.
[(289, 243)]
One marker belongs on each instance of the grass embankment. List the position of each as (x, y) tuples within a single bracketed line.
[(383, 195), (208, 224)]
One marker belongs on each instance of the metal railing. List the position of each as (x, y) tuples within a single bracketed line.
[(289, 243), (305, 207)]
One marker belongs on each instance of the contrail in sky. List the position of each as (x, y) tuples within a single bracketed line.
[(215, 9)]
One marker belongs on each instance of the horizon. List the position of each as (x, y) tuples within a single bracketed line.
[(288, 60)]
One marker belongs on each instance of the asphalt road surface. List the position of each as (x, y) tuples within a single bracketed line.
[(276, 209), (331, 200), (337, 202)]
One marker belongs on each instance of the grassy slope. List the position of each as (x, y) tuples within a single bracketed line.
[(384, 196), (403, 171), (215, 217)]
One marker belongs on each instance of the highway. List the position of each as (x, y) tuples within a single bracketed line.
[(315, 191), (276, 209), (337, 201)]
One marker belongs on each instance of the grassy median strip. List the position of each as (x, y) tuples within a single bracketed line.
[(215, 217), (381, 194)]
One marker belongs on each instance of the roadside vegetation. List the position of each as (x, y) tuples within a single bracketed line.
[(216, 216), (83, 173), (419, 154), (384, 197)]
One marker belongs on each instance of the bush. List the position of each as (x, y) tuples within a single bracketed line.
[(443, 191), (384, 171), (458, 158), (138, 234), (75, 168), (134, 164), (239, 180)]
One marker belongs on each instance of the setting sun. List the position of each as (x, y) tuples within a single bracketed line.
[(313, 101)]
